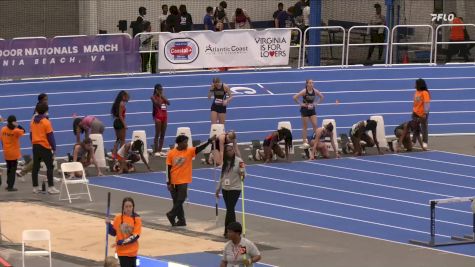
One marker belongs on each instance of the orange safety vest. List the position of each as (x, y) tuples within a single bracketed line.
[(456, 32)]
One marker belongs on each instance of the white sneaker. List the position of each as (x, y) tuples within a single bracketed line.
[(305, 146), (56, 179), (37, 190), (424, 145), (52, 190)]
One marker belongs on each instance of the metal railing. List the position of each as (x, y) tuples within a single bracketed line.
[(386, 43), (393, 43), (328, 28), (449, 42)]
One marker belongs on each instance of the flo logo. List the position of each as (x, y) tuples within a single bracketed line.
[(181, 50), (272, 47), (442, 17)]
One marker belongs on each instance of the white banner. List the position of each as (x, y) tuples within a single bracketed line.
[(234, 48)]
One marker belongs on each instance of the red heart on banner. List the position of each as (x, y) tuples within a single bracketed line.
[(271, 53)]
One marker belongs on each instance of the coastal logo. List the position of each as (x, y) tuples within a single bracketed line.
[(181, 50)]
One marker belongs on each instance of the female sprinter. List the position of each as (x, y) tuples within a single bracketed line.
[(307, 108), (160, 105), (222, 97)]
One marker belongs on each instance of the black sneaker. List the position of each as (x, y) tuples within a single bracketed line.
[(171, 219), (180, 223), (11, 189)]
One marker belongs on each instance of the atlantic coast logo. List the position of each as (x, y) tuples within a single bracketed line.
[(181, 51), (225, 50)]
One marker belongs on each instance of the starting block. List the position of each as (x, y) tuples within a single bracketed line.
[(99, 154), (141, 135), (187, 132), (287, 125), (327, 140), (380, 131)]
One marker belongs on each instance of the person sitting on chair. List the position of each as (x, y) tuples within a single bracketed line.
[(84, 153), (403, 135), (318, 142), (359, 132), (130, 153)]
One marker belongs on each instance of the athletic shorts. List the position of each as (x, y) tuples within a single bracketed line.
[(118, 125), (218, 108), (162, 119), (305, 112)]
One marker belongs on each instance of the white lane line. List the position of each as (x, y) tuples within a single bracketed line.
[(415, 168), (358, 181), (391, 175), (293, 208), (433, 160)]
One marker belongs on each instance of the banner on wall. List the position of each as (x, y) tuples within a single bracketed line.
[(68, 55), (188, 50)]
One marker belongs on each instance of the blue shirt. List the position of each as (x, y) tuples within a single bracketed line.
[(285, 20), (208, 20)]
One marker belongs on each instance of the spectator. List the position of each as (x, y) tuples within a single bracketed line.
[(118, 112), (179, 175), (420, 110), (186, 21), (457, 34), (239, 251), (280, 8), (149, 63), (44, 145), (138, 25), (173, 20), (127, 228), (10, 139), (306, 15), (241, 19), (298, 12), (162, 18), (230, 183), (208, 19), (285, 19), (160, 117), (220, 16), (376, 34), (84, 152), (87, 125)]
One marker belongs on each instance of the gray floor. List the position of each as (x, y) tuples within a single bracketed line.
[(282, 243)]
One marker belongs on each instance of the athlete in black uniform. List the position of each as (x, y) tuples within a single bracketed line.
[(307, 108), (222, 97)]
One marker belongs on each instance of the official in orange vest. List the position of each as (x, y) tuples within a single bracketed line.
[(10, 138), (127, 228), (420, 110), (457, 34)]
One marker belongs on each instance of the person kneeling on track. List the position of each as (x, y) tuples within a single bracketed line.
[(318, 142), (84, 153), (130, 153), (359, 132), (271, 145), (403, 135)]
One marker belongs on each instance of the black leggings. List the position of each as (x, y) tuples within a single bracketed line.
[(230, 199), (126, 261), (44, 154), (179, 193), (11, 172)]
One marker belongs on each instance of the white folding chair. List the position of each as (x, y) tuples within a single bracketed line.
[(72, 167), (35, 235)]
